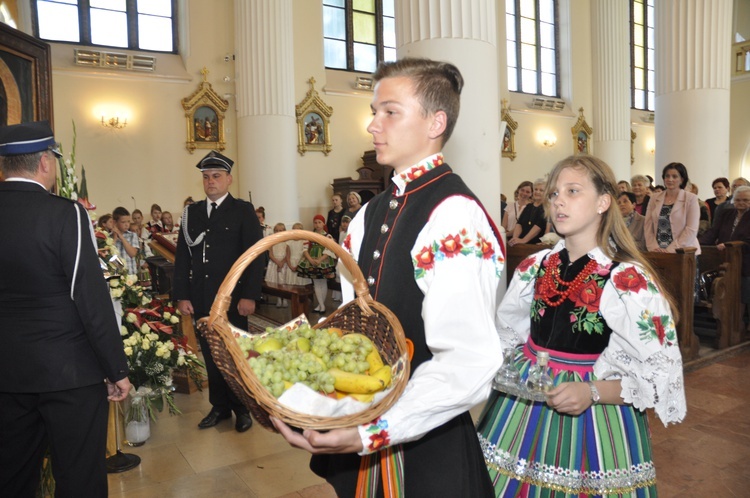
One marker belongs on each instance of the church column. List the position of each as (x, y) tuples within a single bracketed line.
[(266, 124), (693, 54), (611, 67), (450, 30)]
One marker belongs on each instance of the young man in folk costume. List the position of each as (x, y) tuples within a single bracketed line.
[(213, 234), (431, 254)]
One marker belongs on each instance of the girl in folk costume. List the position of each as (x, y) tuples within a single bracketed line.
[(595, 306), (278, 258), (296, 251), (318, 264)]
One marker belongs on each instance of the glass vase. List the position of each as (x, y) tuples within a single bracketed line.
[(539, 380), (136, 420), (507, 377)]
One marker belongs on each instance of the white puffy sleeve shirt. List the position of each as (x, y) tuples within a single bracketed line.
[(460, 299)]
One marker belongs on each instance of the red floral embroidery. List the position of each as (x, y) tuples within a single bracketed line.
[(525, 264), (630, 280), (588, 296), (451, 245), (660, 333), (348, 243), (486, 247), (416, 172), (426, 258), (379, 440)]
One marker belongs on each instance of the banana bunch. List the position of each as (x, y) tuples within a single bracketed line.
[(363, 386)]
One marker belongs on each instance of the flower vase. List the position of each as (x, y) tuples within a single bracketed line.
[(136, 420)]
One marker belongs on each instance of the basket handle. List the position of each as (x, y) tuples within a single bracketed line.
[(224, 296)]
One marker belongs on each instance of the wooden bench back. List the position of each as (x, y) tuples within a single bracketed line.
[(725, 300)]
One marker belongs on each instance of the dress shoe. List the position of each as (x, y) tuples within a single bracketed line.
[(243, 423), (213, 418)]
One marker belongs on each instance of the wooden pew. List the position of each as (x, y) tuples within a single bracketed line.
[(725, 297), (300, 296), (677, 271)]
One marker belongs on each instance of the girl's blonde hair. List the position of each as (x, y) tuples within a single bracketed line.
[(279, 225), (613, 236), (298, 226)]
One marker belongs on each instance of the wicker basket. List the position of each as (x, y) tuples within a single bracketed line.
[(362, 315)]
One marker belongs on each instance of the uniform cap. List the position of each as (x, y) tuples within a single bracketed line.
[(214, 160), (27, 138)]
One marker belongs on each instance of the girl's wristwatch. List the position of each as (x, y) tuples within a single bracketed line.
[(594, 393)]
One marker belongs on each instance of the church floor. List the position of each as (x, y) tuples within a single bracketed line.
[(706, 455)]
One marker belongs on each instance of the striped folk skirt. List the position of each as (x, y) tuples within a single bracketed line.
[(532, 450)]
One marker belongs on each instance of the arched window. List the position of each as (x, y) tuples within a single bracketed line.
[(642, 79), (131, 24), (533, 58), (358, 34)]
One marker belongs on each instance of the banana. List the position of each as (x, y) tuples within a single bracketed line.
[(374, 360), (355, 383), (384, 374), (365, 398)]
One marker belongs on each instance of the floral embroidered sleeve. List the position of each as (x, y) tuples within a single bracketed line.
[(514, 313), (643, 350), (457, 264)]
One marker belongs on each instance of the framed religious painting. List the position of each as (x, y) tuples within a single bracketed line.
[(509, 132), (25, 78), (204, 115), (313, 120), (582, 135)]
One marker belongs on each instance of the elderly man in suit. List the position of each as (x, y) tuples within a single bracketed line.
[(61, 356), (213, 234)]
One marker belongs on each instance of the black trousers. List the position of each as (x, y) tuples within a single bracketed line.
[(72, 423), (220, 396)]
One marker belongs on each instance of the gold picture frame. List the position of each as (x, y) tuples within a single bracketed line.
[(313, 120), (508, 145), (582, 135), (204, 115)]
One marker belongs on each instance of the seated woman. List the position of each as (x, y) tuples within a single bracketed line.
[(673, 215), (633, 220), (733, 224), (533, 222)]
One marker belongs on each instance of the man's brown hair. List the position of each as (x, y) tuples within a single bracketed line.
[(437, 86)]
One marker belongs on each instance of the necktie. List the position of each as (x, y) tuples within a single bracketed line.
[(213, 208)]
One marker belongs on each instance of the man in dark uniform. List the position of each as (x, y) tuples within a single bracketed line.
[(61, 356), (213, 234)]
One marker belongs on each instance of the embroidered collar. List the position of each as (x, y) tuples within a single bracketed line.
[(402, 180)]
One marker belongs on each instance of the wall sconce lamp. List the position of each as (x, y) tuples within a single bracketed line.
[(114, 123), (548, 140)]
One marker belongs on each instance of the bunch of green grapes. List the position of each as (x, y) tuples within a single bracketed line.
[(304, 355), (349, 353), (279, 370)]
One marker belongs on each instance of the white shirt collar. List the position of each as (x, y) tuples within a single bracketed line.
[(217, 201), (25, 180)]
